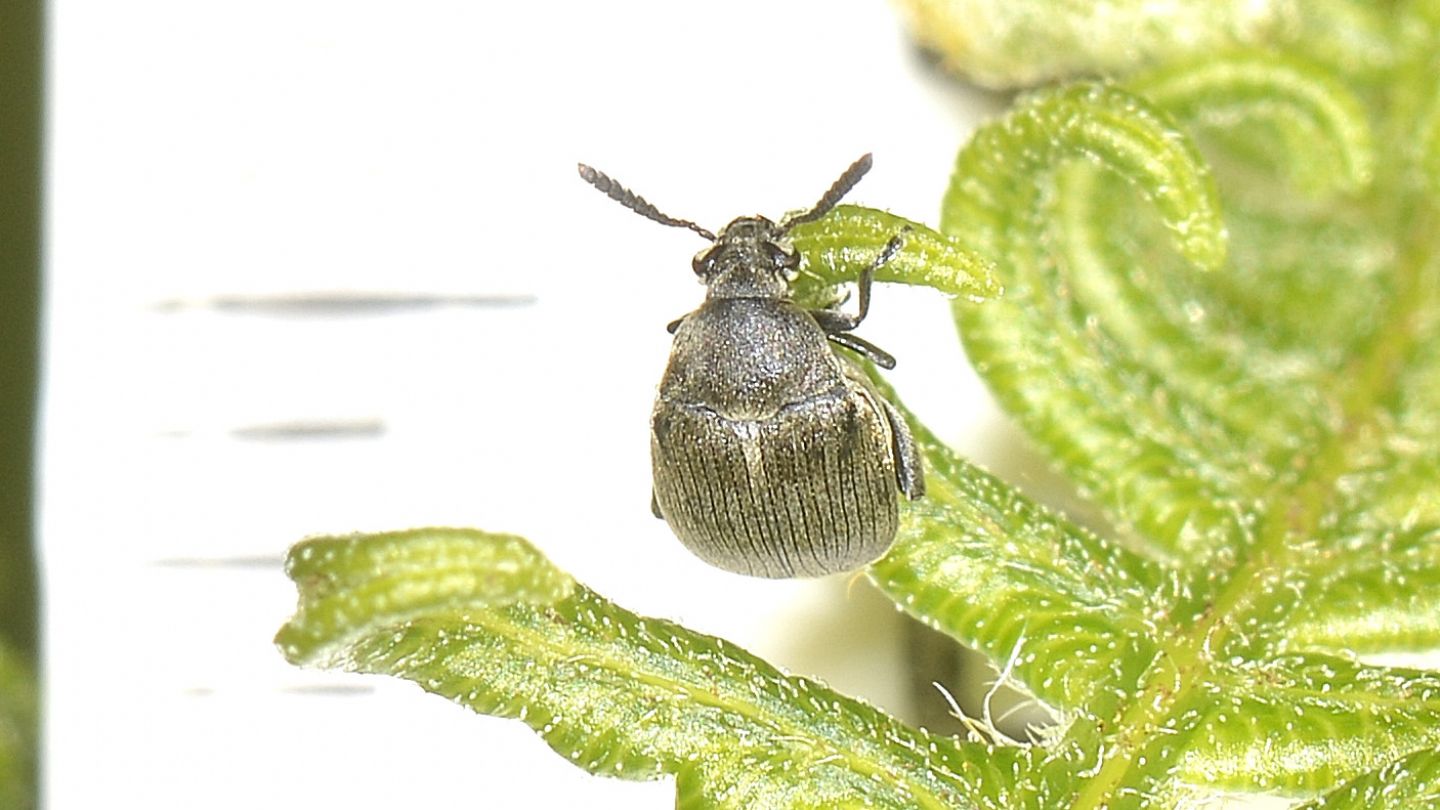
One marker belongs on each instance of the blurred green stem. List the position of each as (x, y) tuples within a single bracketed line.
[(20, 99), (20, 196)]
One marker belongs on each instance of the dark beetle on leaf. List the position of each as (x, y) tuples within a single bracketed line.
[(773, 455)]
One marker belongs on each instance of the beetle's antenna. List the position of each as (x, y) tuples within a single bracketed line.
[(635, 202), (840, 188)]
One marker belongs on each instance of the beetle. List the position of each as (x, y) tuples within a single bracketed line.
[(773, 455)]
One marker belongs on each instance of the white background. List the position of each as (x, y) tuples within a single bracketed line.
[(262, 148)]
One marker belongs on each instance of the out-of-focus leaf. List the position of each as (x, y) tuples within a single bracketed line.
[(19, 731), (1355, 38), (1318, 129), (1019, 43), (1048, 361)]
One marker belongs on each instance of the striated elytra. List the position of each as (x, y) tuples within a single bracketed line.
[(773, 454)]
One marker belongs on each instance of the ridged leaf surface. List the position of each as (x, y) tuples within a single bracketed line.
[(1222, 321), (486, 621)]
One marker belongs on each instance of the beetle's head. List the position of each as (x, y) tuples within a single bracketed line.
[(751, 258)]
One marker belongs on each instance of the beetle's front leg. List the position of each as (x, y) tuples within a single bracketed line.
[(833, 320)]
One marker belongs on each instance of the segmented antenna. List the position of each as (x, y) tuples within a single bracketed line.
[(635, 202), (840, 188)]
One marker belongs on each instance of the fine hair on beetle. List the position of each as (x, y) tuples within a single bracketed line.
[(772, 454)]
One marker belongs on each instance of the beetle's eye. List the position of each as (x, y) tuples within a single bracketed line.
[(783, 257), (698, 263)]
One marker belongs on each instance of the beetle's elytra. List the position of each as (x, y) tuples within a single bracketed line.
[(773, 454)]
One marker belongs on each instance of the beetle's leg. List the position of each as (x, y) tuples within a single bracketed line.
[(864, 348), (832, 320), (655, 506), (675, 324), (909, 472)]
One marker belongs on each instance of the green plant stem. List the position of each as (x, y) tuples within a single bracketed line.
[(20, 64)]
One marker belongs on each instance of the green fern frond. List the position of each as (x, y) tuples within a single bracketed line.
[(486, 621), (1137, 451), (1320, 128), (1220, 319), (1290, 486)]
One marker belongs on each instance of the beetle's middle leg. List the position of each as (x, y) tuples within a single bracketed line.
[(864, 348)]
